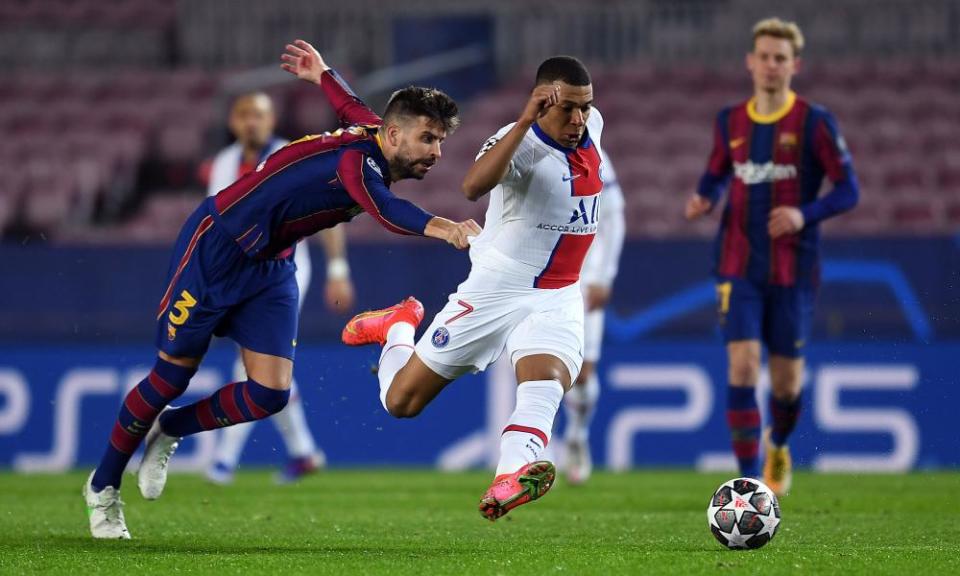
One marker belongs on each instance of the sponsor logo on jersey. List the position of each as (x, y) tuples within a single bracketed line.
[(736, 143), (788, 140), (373, 164), (569, 177), (440, 338), (751, 173), (260, 166)]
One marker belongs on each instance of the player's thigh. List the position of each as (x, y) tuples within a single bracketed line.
[(415, 385), (468, 334), (788, 318), (189, 315), (586, 371), (740, 307), (740, 315), (199, 289), (265, 325), (786, 376), (555, 331), (267, 370)]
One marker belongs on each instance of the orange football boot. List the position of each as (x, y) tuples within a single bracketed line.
[(372, 326), (508, 491)]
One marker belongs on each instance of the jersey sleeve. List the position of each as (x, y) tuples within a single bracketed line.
[(833, 156), (613, 225), (349, 108), (363, 181), (719, 165), (523, 158)]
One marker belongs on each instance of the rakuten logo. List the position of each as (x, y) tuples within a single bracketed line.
[(750, 173)]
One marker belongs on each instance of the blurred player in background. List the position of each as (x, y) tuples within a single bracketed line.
[(252, 122), (523, 292), (232, 272), (777, 147), (596, 279)]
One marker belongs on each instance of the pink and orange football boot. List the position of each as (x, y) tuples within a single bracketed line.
[(508, 491), (371, 327)]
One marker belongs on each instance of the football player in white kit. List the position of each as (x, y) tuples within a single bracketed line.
[(523, 293), (596, 279), (252, 123)]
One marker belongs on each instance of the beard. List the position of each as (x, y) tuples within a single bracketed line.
[(403, 166)]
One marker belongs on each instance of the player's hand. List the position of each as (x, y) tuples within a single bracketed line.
[(303, 61), (461, 232), (339, 295), (696, 207), (597, 297), (541, 99), (785, 220)]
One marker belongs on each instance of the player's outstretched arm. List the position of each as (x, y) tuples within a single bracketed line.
[(456, 233), (492, 164), (303, 61)]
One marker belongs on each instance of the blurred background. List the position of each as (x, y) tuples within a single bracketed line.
[(111, 110)]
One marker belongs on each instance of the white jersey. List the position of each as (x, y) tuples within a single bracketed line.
[(522, 295), (544, 213), (225, 171), (603, 259)]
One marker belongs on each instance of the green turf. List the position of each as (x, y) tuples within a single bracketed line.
[(426, 523)]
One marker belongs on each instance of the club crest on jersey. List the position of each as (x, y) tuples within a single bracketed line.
[(440, 338), (373, 164), (788, 140)]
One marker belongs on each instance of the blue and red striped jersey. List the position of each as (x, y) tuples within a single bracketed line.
[(779, 159), (315, 183)]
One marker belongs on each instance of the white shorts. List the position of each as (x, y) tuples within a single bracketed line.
[(492, 312), (593, 335)]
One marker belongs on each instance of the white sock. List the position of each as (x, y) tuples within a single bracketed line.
[(528, 430), (291, 422), (579, 405), (396, 352)]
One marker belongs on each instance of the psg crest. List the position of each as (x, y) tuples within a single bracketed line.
[(440, 338)]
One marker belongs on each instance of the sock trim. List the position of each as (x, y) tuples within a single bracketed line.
[(527, 430)]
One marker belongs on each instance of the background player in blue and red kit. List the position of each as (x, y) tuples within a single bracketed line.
[(774, 151), (232, 271)]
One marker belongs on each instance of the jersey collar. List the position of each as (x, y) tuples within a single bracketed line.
[(774, 116), (585, 141)]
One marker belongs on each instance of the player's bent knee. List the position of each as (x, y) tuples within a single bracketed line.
[(585, 372), (271, 400), (403, 405)]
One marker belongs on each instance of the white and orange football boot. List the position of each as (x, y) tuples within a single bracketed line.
[(508, 491), (371, 327)]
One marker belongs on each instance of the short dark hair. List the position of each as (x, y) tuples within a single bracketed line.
[(565, 69), (419, 101)]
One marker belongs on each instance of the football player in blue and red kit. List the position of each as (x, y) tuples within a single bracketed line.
[(232, 271), (773, 152)]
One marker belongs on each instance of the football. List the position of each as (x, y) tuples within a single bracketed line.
[(743, 513)]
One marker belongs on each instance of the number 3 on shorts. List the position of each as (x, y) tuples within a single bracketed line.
[(182, 307), (723, 297)]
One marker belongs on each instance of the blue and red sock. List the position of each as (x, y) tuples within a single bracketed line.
[(234, 403), (743, 417), (784, 415), (140, 408)]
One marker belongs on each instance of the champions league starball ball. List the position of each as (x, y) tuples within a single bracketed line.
[(743, 513)]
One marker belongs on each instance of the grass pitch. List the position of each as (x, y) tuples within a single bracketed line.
[(426, 523)]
